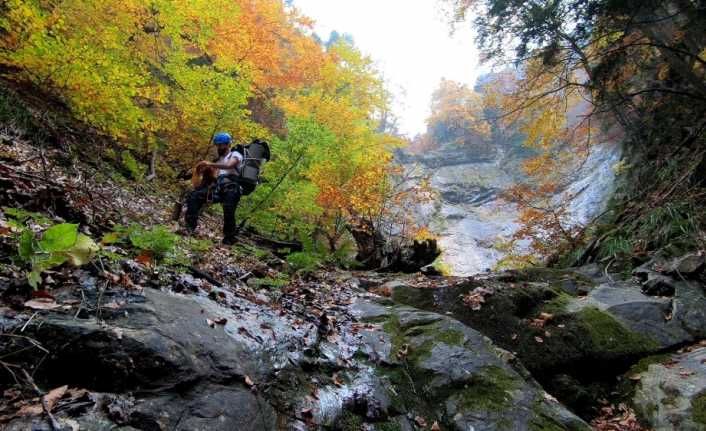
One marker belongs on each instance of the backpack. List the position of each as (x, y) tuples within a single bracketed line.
[(254, 156)]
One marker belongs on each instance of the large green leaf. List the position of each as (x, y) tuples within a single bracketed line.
[(59, 238), (42, 262), (24, 248), (82, 252)]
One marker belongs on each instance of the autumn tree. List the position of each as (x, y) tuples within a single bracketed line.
[(457, 115), (160, 77)]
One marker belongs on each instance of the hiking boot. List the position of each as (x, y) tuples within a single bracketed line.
[(229, 241)]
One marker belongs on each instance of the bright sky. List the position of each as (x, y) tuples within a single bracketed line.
[(410, 42)]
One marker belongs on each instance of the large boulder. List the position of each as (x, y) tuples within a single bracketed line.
[(186, 370), (671, 394), (440, 370)]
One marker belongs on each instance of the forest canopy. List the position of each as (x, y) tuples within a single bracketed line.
[(161, 76)]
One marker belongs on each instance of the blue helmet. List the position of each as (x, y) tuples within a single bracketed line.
[(222, 139)]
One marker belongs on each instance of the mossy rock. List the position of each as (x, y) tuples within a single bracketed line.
[(491, 391), (698, 409), (643, 364), (610, 338), (451, 371), (550, 276)]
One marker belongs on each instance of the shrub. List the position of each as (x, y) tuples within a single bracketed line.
[(136, 169), (304, 261), (158, 241)]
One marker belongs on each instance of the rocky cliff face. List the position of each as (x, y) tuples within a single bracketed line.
[(470, 217)]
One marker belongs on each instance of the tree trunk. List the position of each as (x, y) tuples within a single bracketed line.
[(370, 244), (153, 166)]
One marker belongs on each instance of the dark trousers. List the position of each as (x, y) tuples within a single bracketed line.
[(228, 196)]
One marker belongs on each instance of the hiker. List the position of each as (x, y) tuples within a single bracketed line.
[(226, 190)]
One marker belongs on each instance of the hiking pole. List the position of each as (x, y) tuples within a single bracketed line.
[(269, 195)]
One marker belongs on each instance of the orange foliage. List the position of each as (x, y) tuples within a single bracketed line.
[(268, 41)]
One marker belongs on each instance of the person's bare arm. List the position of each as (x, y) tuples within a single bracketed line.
[(231, 164)]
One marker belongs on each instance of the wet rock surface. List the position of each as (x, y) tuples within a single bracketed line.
[(574, 333), (189, 362), (350, 351), (671, 394)]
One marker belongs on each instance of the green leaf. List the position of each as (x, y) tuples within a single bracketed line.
[(42, 262), (83, 251), (21, 216), (111, 238), (59, 238), (24, 248), (34, 279)]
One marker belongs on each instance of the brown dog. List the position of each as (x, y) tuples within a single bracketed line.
[(203, 175)]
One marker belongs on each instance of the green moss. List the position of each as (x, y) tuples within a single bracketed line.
[(407, 391), (393, 327), (543, 423), (490, 391), (433, 332), (698, 409), (415, 297), (542, 420), (349, 422), (450, 337), (435, 335), (389, 426), (609, 336), (547, 275), (558, 305), (645, 363), (648, 411)]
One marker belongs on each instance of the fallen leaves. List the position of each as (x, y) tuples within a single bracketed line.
[(420, 421), (620, 418), (60, 397), (385, 291), (403, 352), (144, 259), (54, 395), (42, 304), (336, 379), (476, 298), (541, 321)]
